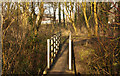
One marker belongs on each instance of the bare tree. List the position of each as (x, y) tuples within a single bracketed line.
[(59, 13), (96, 21)]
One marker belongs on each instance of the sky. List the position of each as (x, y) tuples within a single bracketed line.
[(51, 11)]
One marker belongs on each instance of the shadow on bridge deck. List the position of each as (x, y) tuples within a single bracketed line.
[(60, 64), (63, 47)]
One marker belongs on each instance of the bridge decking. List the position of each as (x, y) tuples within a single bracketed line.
[(61, 64)]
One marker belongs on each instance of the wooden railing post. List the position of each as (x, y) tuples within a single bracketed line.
[(52, 50), (48, 53), (54, 45), (70, 55)]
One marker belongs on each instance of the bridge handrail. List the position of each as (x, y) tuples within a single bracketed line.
[(53, 45)]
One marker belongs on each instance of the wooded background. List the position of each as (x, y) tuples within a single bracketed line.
[(24, 32)]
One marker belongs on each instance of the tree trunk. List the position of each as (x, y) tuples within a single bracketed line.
[(8, 8), (96, 21), (86, 20), (71, 19), (119, 25), (40, 15), (33, 15), (54, 20), (63, 16), (75, 14), (59, 14)]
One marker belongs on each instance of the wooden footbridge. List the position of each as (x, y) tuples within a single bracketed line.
[(59, 56)]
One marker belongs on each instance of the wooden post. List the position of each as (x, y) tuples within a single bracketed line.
[(52, 50), (70, 55), (59, 39), (54, 46), (48, 53)]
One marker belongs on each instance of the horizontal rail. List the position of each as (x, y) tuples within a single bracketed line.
[(53, 45)]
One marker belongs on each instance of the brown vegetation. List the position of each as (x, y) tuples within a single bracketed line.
[(24, 37)]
